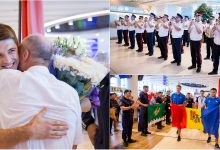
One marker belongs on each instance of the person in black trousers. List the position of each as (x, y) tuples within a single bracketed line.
[(177, 33), (216, 48), (209, 38), (186, 23), (159, 100), (196, 32), (118, 24), (131, 29), (167, 108), (127, 107), (163, 28), (144, 102)]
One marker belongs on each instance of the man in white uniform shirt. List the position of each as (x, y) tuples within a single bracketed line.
[(186, 23), (209, 37), (119, 26), (216, 47), (196, 32), (145, 31), (139, 29), (177, 33), (131, 29), (150, 27), (163, 28), (125, 30), (22, 94)]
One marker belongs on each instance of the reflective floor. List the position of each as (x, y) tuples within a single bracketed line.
[(126, 61)]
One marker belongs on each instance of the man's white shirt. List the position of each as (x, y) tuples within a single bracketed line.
[(24, 94), (194, 35), (162, 32), (175, 33)]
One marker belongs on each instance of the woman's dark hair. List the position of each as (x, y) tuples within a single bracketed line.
[(6, 32)]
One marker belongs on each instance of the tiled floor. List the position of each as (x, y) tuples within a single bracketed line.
[(126, 61)]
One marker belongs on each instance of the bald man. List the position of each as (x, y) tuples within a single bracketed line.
[(23, 94)]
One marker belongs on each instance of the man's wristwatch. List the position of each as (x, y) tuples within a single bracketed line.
[(87, 120)]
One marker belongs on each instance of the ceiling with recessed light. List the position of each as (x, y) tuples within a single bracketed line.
[(53, 9)]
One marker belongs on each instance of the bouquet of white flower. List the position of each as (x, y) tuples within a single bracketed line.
[(72, 66)]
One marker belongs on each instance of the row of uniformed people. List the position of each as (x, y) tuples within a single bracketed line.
[(182, 32)]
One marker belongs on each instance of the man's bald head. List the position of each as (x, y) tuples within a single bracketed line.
[(34, 50)]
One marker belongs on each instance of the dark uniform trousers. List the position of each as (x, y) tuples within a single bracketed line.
[(157, 36), (209, 45), (132, 38), (144, 118), (177, 48), (139, 41), (163, 46), (195, 47), (216, 54), (185, 38), (145, 37), (150, 42), (120, 35), (125, 34), (127, 124)]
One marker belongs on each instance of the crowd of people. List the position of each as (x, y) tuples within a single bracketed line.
[(183, 31), (126, 105)]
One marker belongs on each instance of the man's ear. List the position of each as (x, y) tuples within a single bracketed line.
[(25, 55)]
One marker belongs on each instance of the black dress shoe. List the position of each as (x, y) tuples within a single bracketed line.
[(118, 42), (125, 45), (139, 50), (165, 58), (150, 54), (147, 54), (143, 134), (148, 132), (172, 62), (213, 73), (198, 70), (209, 140), (178, 138), (178, 64), (131, 141), (130, 47), (191, 67), (206, 58), (161, 57), (217, 146)]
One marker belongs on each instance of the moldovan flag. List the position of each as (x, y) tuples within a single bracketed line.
[(183, 117)]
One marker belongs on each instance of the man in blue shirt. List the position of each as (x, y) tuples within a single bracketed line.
[(212, 102), (179, 99)]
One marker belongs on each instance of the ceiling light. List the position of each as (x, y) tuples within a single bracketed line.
[(70, 23), (97, 34), (57, 26), (75, 17), (48, 29), (90, 19)]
